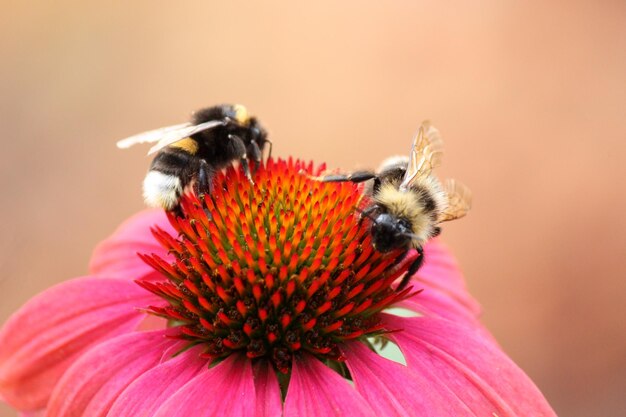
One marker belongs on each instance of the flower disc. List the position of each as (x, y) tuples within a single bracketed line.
[(274, 268)]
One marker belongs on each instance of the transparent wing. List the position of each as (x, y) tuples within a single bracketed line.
[(167, 135), (426, 153), (459, 201), (149, 137), (182, 133)]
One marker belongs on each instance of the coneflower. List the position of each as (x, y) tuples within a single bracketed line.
[(266, 300)]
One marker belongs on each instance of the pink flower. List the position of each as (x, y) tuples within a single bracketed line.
[(262, 301)]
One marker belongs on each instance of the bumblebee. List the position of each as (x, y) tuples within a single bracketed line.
[(188, 154), (407, 201)]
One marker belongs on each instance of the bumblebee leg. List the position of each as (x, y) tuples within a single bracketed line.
[(246, 168), (238, 146), (436, 231), (257, 155), (377, 183), (415, 266), (177, 211), (367, 213), (357, 176), (204, 184), (204, 178), (369, 210), (240, 150), (361, 176)]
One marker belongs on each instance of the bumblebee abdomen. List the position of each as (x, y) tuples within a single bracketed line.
[(162, 190), (170, 172), (188, 145)]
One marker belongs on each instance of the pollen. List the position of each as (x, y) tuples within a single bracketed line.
[(275, 268)]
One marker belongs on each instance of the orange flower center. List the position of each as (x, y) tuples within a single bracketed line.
[(275, 268)]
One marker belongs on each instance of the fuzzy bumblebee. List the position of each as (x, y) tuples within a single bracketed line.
[(408, 202), (189, 154)]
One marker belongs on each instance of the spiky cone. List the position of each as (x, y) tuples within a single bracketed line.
[(271, 296), (281, 267)]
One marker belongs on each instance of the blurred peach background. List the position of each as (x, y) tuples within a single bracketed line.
[(530, 99)]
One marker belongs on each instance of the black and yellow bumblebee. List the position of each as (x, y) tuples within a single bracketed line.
[(188, 154), (407, 201)]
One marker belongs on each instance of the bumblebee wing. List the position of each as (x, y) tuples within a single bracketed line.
[(426, 153), (184, 132), (150, 136), (459, 201), (167, 135)]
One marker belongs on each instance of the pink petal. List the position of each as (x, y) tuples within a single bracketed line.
[(38, 413), (144, 396), (152, 322), (468, 364), (226, 390), (395, 390), (315, 390), (117, 255), (434, 303), (40, 341), (95, 380), (445, 293), (268, 401)]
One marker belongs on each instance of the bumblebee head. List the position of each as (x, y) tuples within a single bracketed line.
[(257, 132), (246, 125), (389, 233)]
